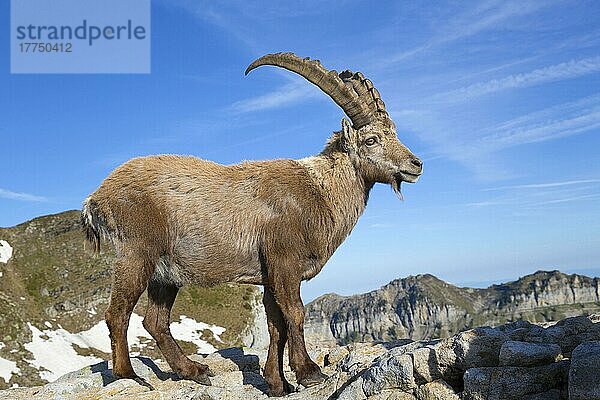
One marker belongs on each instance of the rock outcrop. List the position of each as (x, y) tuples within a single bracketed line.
[(423, 307), (518, 360)]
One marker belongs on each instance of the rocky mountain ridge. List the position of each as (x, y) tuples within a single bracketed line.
[(423, 306)]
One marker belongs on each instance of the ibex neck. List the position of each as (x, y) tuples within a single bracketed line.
[(343, 189)]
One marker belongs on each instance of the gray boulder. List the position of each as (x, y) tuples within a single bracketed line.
[(554, 394), (437, 390), (389, 372), (570, 333), (584, 374), (450, 358), (513, 383), (523, 354)]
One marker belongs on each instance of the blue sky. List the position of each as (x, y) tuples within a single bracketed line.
[(501, 99)]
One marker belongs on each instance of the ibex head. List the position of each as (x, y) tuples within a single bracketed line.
[(370, 141)]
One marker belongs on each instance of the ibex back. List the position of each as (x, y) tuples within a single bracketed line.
[(177, 220)]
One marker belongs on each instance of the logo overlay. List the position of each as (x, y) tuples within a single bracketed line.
[(80, 36)]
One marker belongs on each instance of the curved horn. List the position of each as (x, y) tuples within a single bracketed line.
[(365, 89), (352, 92)]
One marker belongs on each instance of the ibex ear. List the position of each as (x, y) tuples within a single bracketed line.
[(348, 136)]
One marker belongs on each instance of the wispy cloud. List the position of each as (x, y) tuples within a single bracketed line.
[(544, 185), (8, 194), (379, 225), (555, 122), (289, 93), (218, 15), (525, 203), (534, 195), (458, 139), (571, 199), (487, 15), (566, 70)]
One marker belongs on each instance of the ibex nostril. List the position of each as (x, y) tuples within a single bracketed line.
[(417, 163)]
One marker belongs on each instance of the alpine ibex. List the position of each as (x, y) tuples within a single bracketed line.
[(176, 220)]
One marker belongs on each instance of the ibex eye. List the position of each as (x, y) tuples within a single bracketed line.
[(371, 141)]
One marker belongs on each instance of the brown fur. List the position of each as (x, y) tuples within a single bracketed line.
[(177, 220)]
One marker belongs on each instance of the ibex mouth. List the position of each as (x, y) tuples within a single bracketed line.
[(403, 177), (406, 177)]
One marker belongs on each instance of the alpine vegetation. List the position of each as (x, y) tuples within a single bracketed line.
[(176, 220)]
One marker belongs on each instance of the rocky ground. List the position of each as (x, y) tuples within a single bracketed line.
[(518, 360)]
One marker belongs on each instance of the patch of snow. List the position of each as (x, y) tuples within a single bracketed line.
[(2, 345), (189, 330), (7, 369), (47, 344), (54, 353), (92, 311), (6, 251), (48, 324)]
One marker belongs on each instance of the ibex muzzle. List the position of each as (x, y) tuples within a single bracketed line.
[(177, 220)]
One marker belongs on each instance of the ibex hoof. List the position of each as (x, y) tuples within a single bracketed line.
[(202, 374), (276, 392), (201, 379), (132, 375), (198, 373), (143, 382), (313, 379), (280, 390)]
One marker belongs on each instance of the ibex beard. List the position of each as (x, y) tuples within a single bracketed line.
[(176, 220)]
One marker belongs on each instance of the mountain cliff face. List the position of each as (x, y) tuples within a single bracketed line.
[(53, 294), (423, 307)]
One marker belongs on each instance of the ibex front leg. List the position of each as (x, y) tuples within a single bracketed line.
[(286, 290), (278, 385)]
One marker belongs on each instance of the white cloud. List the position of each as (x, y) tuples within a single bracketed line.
[(462, 140), (287, 94), (566, 70), (7, 194), (556, 122), (523, 202), (571, 199), (487, 15), (544, 185), (534, 195)]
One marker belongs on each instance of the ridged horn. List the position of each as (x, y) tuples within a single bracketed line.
[(352, 92)]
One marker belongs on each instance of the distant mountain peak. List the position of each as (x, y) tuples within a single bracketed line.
[(424, 306)]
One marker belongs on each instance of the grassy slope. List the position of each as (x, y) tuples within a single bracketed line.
[(52, 278)]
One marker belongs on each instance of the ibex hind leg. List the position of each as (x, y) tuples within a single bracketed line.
[(161, 297), (130, 278)]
